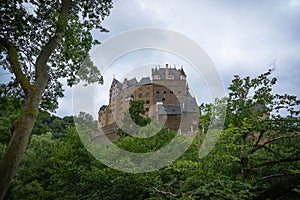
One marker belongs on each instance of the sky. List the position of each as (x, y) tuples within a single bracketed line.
[(240, 37)]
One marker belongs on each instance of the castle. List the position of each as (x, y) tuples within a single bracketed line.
[(166, 97)]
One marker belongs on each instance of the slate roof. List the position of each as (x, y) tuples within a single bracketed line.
[(132, 82), (117, 83), (103, 107), (190, 104), (144, 81), (169, 109)]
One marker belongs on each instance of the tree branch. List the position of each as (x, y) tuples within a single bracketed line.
[(277, 175), (255, 148), (277, 155), (49, 48), (259, 138), (15, 64), (29, 60), (276, 162), (161, 191)]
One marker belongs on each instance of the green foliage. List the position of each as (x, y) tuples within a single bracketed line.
[(136, 111), (205, 115), (10, 109), (135, 123), (256, 156), (142, 145), (64, 169), (262, 133), (30, 25), (43, 43)]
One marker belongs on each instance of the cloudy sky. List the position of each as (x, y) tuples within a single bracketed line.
[(240, 37)]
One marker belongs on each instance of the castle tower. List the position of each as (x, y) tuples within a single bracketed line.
[(166, 96), (172, 78)]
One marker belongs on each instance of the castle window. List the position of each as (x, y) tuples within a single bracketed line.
[(147, 101), (147, 109), (182, 77), (171, 92), (157, 92), (140, 95), (163, 99), (156, 77), (165, 92), (147, 94), (170, 77)]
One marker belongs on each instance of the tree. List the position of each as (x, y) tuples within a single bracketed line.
[(10, 109), (257, 151), (262, 133), (40, 43), (136, 111), (134, 121)]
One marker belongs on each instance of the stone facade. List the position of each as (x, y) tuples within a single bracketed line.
[(166, 97)]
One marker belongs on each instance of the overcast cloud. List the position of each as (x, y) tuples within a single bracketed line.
[(240, 37)]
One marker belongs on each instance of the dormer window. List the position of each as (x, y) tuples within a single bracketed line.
[(156, 77), (182, 77), (170, 76)]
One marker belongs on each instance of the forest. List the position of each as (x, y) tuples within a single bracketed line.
[(257, 154), (256, 157)]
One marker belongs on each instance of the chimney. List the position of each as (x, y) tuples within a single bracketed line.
[(167, 71)]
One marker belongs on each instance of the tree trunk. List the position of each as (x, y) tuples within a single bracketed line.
[(33, 92), (244, 160), (20, 135), (244, 168)]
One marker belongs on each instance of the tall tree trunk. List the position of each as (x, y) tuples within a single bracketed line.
[(20, 135), (33, 93)]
